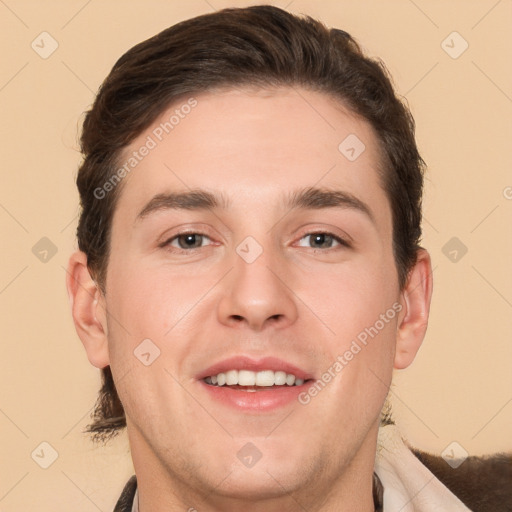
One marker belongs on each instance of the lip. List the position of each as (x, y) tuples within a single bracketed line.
[(265, 400), (247, 363), (257, 401)]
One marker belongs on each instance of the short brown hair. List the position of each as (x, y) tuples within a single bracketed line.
[(260, 46)]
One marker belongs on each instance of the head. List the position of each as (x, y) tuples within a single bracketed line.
[(250, 186)]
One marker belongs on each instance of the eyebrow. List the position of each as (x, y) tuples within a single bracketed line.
[(193, 200), (311, 198), (317, 198)]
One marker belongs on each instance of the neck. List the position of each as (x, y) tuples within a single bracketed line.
[(171, 489)]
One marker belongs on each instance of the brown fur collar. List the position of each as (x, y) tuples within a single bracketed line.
[(483, 484)]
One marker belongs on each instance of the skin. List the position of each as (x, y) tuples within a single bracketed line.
[(300, 300)]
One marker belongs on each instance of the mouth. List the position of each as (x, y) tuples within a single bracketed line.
[(253, 381), (254, 385), (247, 380)]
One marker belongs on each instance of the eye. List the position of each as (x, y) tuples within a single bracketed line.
[(188, 241), (321, 241)]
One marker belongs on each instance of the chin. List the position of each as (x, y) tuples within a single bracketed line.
[(268, 477), (267, 482)]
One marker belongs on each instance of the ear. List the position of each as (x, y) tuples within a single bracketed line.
[(88, 309), (415, 298)]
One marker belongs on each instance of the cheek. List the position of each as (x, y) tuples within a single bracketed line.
[(148, 301), (351, 299), (360, 307), (143, 308)]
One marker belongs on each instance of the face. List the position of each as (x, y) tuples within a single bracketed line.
[(249, 246)]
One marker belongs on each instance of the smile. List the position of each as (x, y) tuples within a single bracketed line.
[(247, 378), (254, 386)]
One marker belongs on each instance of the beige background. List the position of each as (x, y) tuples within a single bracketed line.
[(460, 387)]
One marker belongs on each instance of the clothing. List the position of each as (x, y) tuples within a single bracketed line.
[(404, 483), (409, 486)]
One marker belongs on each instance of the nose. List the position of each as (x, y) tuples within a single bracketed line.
[(257, 295)]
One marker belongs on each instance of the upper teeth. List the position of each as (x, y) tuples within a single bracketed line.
[(248, 378)]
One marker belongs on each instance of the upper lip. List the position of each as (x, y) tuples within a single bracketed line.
[(247, 363)]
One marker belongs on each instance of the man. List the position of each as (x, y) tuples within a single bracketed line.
[(250, 273)]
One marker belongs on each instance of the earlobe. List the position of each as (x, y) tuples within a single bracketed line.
[(415, 298), (88, 309)]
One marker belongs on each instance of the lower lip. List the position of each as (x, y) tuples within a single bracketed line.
[(255, 401)]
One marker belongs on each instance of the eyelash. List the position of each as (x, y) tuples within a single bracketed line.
[(342, 242), (184, 233)]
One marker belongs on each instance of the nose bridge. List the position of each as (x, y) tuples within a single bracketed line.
[(256, 294)]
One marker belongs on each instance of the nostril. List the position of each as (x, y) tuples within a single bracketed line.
[(275, 318)]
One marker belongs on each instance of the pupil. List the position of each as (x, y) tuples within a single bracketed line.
[(321, 240), (187, 241)]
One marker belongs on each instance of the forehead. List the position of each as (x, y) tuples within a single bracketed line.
[(253, 145)]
